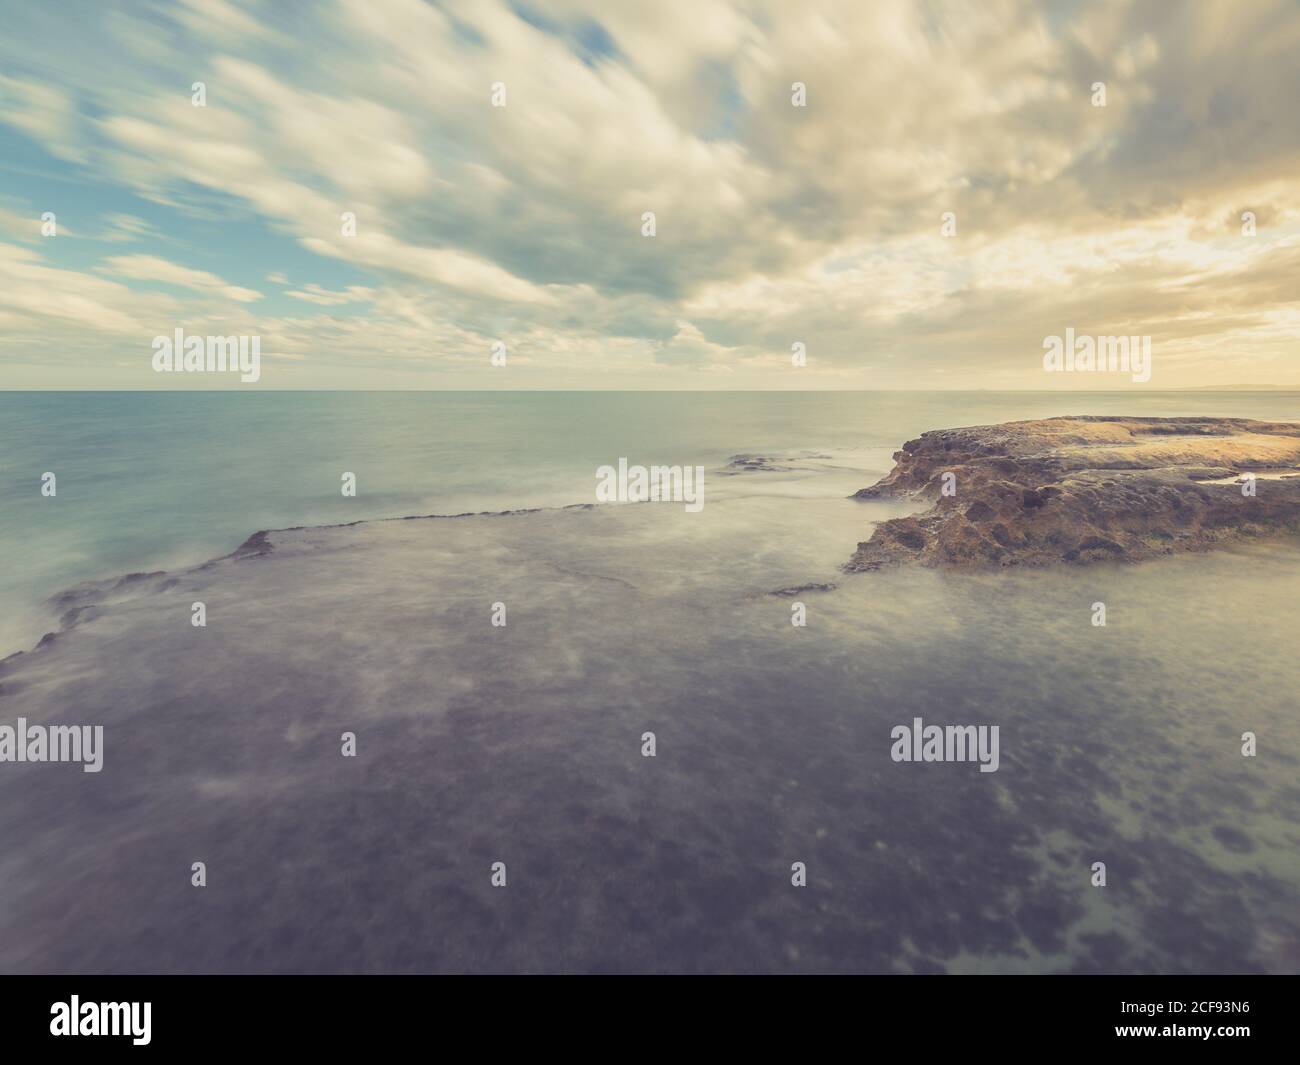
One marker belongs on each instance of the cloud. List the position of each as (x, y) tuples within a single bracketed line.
[(123, 228), (36, 291), (690, 347), (42, 111), (153, 268), (27, 226), (775, 223), (217, 19), (312, 293)]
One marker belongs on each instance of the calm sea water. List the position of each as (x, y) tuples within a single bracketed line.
[(1119, 744), (151, 481)]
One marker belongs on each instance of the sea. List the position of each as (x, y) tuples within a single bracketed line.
[(1120, 745)]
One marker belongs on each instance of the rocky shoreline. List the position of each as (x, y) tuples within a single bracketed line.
[(1084, 489)]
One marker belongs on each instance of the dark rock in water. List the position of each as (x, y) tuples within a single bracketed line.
[(787, 463), (255, 546), (752, 464), (1083, 489)]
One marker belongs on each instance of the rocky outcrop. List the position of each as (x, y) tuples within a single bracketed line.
[(1082, 489)]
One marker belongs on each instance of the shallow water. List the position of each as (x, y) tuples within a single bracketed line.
[(522, 744), (152, 480)]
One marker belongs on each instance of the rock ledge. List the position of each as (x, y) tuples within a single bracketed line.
[(1082, 489)]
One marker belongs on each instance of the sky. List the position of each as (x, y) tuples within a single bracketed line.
[(916, 194)]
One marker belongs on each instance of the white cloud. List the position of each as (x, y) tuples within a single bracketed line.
[(35, 290), (775, 223), (312, 293), (153, 268), (27, 227), (124, 228), (42, 111)]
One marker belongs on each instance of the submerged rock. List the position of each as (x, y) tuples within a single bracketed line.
[(799, 589), (1081, 489)]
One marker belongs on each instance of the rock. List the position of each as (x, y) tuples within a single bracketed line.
[(1083, 489), (754, 464)]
